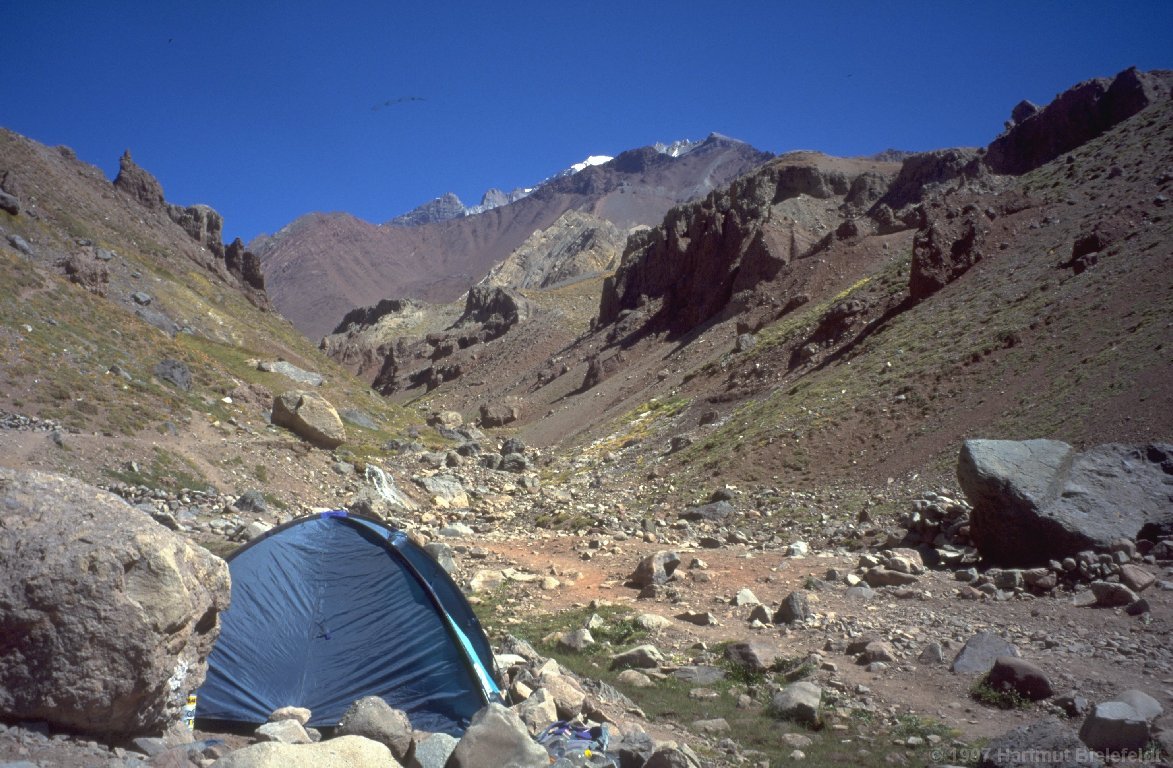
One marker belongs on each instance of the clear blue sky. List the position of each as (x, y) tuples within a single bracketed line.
[(264, 109)]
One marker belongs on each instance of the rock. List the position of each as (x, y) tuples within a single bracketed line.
[(699, 674), (291, 371), (107, 617), (540, 709), (944, 248), (434, 750), (300, 714), (1072, 704), (876, 650), (447, 489), (139, 184), (443, 555), (1021, 676), (980, 652), (1112, 595), (796, 607), (174, 372), (714, 511), (799, 702), (677, 756), (713, 725), (498, 414), (635, 679), (700, 618), (859, 593), (1039, 500), (89, 273), (639, 657), (1114, 725), (373, 718), (310, 416), (1043, 742), (1145, 705), (252, 501), (202, 224), (1136, 578), (485, 580), (652, 621), (886, 577), (577, 640), (20, 244), (9, 203), (1079, 114), (654, 569), (756, 655), (284, 732), (797, 549), (342, 752), (745, 596), (567, 694), (496, 738), (932, 654)]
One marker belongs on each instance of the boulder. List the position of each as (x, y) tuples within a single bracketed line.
[(496, 738), (343, 752), (678, 756), (1110, 594), (1114, 725), (498, 414), (540, 709), (980, 652), (949, 243), (1021, 676), (138, 183), (433, 750), (107, 617), (654, 569), (756, 655), (375, 719), (1145, 705), (796, 607), (444, 489), (799, 702), (1038, 500), (284, 732), (174, 372), (300, 714), (1043, 742), (639, 657), (9, 203), (310, 416)]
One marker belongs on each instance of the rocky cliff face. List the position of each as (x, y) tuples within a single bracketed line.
[(686, 271), (443, 208), (576, 244)]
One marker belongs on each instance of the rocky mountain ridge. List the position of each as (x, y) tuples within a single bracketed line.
[(323, 265)]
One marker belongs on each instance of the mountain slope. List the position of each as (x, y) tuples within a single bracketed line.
[(323, 265)]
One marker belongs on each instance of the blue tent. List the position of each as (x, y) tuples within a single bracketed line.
[(330, 608)]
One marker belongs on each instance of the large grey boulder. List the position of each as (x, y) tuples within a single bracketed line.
[(654, 569), (1040, 500), (1114, 725), (106, 617), (496, 738), (433, 750), (377, 720), (342, 752), (310, 416), (1043, 742), (800, 702), (980, 652)]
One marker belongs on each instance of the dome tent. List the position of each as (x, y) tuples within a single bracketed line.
[(329, 608)]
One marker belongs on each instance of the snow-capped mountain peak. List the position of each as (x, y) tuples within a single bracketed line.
[(592, 160)]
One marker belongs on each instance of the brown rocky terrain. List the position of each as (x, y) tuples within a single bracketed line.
[(775, 384)]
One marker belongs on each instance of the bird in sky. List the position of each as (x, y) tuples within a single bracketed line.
[(393, 102)]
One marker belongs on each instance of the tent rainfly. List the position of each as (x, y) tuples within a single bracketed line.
[(329, 608)]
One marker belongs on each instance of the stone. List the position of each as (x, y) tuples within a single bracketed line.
[(284, 732), (174, 372), (714, 512), (448, 491), (980, 652), (310, 416), (1109, 594), (107, 617), (1114, 725), (497, 738), (443, 554), (876, 650), (433, 750), (795, 608), (652, 621), (932, 654), (654, 569), (635, 679), (373, 718), (138, 183), (9, 203), (639, 657), (745, 596), (1136, 578), (860, 592), (291, 371), (800, 702), (342, 752), (485, 580), (1043, 742), (673, 757), (886, 577), (1145, 705), (1039, 500), (300, 714), (756, 655), (577, 640), (1021, 676), (712, 725), (699, 618), (498, 414), (699, 674), (540, 709)]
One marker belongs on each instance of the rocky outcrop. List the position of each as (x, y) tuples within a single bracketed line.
[(106, 617), (495, 310), (1076, 116), (139, 184), (576, 244), (310, 416), (342, 752), (443, 208), (925, 172), (686, 271), (87, 271), (949, 242), (202, 224), (245, 266), (1040, 500)]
